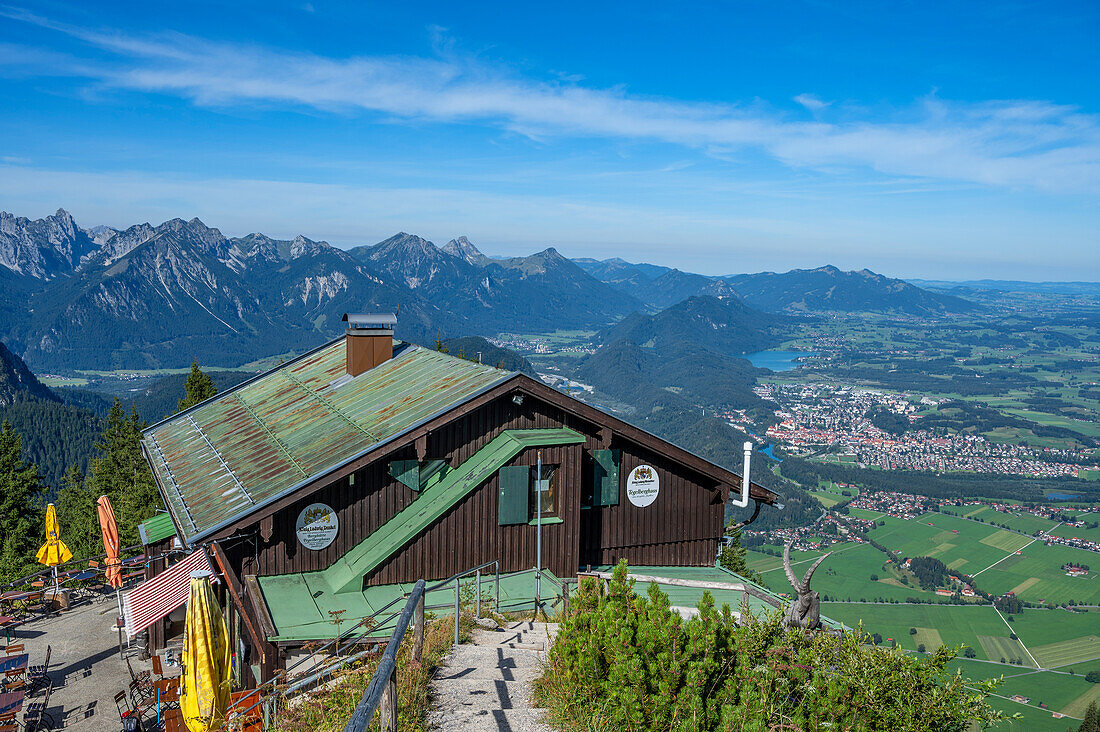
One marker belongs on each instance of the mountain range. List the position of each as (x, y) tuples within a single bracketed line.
[(157, 296), (799, 291)]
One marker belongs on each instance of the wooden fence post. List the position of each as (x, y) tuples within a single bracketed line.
[(387, 712), (418, 630)]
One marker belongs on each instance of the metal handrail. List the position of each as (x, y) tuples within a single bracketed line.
[(344, 637), (384, 682), (387, 667)]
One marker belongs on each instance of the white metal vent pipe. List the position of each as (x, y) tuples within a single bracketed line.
[(745, 482)]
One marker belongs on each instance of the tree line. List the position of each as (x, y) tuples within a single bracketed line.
[(117, 469)]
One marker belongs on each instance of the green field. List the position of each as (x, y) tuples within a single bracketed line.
[(1024, 522), (1042, 564), (1054, 631), (961, 544), (846, 575), (1070, 532), (1064, 653), (831, 494), (52, 381), (998, 647)]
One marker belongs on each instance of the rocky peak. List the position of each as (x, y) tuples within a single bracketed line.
[(43, 248), (463, 249)]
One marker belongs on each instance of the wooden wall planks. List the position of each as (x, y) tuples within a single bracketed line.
[(681, 527)]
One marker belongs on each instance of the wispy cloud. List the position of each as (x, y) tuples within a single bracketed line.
[(1009, 143)]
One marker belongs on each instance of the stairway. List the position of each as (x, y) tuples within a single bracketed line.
[(486, 684)]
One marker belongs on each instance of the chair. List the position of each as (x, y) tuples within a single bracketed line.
[(36, 715), (139, 695), (38, 676), (122, 704), (13, 680), (158, 670), (8, 722), (15, 648), (143, 680)]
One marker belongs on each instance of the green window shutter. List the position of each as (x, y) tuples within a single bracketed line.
[(406, 472), (605, 485), (514, 485)]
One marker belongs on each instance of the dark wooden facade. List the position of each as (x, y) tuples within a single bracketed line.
[(682, 527)]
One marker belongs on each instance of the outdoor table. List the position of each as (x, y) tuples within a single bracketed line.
[(85, 574), (11, 701), (166, 693), (18, 662)]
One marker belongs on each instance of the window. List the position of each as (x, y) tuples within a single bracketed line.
[(547, 484)]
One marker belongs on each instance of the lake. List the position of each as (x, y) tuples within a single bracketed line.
[(776, 360), (1063, 496)]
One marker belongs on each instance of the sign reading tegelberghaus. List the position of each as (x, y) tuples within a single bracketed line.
[(317, 526), (642, 486)]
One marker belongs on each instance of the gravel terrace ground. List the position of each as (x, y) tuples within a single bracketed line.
[(84, 665)]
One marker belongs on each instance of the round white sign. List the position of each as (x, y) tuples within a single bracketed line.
[(317, 526), (643, 485)]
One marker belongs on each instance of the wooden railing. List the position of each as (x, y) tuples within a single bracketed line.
[(741, 587)]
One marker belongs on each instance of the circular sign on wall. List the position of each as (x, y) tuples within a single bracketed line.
[(317, 526), (642, 486)]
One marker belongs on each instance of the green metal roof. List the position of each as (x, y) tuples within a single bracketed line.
[(248, 446), (438, 494), (299, 605), (156, 529)]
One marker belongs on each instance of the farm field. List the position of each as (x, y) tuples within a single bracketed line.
[(1062, 638), (1069, 532), (1059, 691), (960, 544), (845, 575), (1023, 522), (831, 494), (956, 624), (1035, 575), (863, 513), (1067, 652)]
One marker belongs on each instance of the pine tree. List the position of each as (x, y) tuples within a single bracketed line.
[(19, 517), (76, 512), (119, 471), (1091, 722), (199, 387)]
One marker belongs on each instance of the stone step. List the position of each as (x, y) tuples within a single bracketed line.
[(489, 720), (493, 657), (486, 693), (459, 672)]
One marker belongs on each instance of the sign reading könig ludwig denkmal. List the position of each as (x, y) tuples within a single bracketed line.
[(643, 485), (317, 526)]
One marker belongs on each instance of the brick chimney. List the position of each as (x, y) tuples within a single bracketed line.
[(369, 340)]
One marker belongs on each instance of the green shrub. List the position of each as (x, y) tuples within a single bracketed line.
[(623, 662)]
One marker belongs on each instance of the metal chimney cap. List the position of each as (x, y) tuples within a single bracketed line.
[(378, 321)]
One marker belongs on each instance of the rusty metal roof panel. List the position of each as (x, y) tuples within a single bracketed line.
[(219, 460)]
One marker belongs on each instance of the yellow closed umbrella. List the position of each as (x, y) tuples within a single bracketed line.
[(204, 688), (54, 551)]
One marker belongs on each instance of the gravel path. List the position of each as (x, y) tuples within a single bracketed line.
[(486, 684)]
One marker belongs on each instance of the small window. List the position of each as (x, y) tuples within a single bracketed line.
[(547, 484)]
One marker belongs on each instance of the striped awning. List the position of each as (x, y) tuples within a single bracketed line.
[(153, 599)]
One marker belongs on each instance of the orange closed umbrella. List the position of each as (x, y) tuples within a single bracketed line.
[(109, 528)]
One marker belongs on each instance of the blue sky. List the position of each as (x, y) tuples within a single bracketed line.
[(942, 140)]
